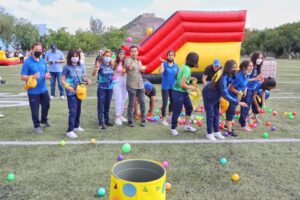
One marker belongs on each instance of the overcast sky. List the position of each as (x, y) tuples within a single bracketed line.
[(75, 14)]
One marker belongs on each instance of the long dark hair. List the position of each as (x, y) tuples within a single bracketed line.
[(226, 71), (72, 53), (254, 56), (244, 64), (192, 59), (117, 62)]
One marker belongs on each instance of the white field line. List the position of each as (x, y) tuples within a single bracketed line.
[(234, 141)]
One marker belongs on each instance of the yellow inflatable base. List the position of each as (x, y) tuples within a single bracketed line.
[(207, 53)]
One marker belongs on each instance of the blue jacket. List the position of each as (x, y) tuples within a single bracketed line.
[(212, 95)]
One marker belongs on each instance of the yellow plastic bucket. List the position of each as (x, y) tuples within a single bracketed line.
[(138, 180)]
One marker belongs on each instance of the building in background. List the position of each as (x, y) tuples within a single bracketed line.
[(42, 28)]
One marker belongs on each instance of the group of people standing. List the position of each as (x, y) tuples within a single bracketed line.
[(123, 78)]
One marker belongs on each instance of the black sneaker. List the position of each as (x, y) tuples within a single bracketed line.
[(46, 124), (109, 124), (130, 123), (233, 134), (143, 123), (102, 126), (226, 129)]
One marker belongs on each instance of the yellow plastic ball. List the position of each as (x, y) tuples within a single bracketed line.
[(235, 177), (93, 141)]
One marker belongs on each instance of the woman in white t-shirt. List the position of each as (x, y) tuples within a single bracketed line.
[(119, 87)]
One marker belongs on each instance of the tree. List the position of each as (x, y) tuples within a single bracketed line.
[(87, 41), (114, 39), (61, 38), (6, 27), (97, 26), (25, 34)]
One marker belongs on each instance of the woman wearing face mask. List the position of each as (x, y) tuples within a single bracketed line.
[(255, 78), (169, 70), (236, 89), (120, 92), (72, 75), (105, 72), (212, 93)]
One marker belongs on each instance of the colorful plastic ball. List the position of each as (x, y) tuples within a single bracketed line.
[(165, 164), (93, 141), (126, 148), (294, 113), (264, 107), (274, 113), (285, 113), (254, 126), (268, 123), (129, 39), (120, 157), (290, 113), (223, 161), (273, 128), (10, 177), (235, 177), (291, 117), (168, 186), (270, 110), (62, 142), (101, 192), (200, 123), (265, 135), (225, 134)]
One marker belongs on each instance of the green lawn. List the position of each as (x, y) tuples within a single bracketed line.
[(268, 171)]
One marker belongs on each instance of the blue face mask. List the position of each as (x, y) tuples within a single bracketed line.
[(107, 59), (248, 73)]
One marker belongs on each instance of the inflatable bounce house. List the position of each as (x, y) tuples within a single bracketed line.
[(8, 61), (210, 34)]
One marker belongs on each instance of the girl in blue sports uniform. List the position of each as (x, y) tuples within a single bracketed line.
[(261, 94), (255, 78), (237, 88), (212, 93)]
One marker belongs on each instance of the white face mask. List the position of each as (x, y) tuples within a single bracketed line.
[(259, 61), (248, 73)]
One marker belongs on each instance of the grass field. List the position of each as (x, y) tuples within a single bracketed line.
[(268, 171)]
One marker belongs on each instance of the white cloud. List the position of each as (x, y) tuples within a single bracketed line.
[(60, 13)]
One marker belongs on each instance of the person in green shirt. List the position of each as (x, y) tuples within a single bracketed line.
[(180, 93)]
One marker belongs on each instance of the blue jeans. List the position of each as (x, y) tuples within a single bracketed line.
[(74, 105), (104, 99), (35, 100), (248, 99), (54, 76), (230, 112), (180, 99)]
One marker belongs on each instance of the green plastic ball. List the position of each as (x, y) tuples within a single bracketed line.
[(10, 177), (223, 161), (265, 135), (62, 143), (126, 148), (264, 107), (290, 113), (101, 192), (291, 117), (270, 110)]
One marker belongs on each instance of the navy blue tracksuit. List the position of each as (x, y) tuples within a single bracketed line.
[(248, 99), (211, 97)]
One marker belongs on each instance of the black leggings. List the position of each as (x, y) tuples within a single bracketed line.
[(166, 94)]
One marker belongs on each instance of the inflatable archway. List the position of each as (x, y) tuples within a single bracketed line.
[(210, 34)]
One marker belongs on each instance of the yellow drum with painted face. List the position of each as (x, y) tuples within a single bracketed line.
[(138, 180)]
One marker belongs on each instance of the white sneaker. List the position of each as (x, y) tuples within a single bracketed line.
[(247, 128), (71, 135), (211, 137), (79, 129), (123, 119), (1, 115), (62, 97), (118, 121), (174, 132), (164, 122), (218, 135), (51, 97), (189, 128)]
